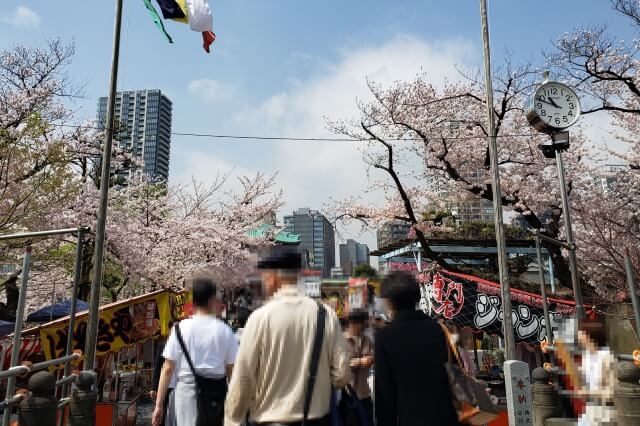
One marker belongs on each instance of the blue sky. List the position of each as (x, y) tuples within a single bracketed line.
[(279, 67)]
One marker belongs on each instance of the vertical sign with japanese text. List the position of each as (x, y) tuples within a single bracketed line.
[(518, 384)]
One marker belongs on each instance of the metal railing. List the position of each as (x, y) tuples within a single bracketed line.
[(12, 401), (17, 335), (19, 370)]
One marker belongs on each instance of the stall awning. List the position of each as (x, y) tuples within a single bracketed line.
[(57, 310), (122, 324)]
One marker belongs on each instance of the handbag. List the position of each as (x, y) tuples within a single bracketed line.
[(352, 412), (470, 398), (210, 393)]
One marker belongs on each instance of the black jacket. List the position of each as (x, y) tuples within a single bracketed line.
[(412, 387)]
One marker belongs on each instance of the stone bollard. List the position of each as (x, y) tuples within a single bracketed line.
[(545, 397), (82, 407), (40, 408), (627, 395)]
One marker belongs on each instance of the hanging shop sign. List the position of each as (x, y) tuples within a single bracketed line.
[(122, 324), (473, 302), (358, 293)]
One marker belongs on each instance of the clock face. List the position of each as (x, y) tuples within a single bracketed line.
[(556, 106)]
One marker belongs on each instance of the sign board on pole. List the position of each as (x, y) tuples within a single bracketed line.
[(518, 384)]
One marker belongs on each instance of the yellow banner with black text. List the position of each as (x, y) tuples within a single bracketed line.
[(122, 324)]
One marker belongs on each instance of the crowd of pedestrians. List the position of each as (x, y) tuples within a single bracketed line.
[(293, 363)]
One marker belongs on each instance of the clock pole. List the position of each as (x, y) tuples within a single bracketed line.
[(560, 143)]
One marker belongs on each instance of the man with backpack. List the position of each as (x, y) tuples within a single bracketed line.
[(202, 349), (291, 354)]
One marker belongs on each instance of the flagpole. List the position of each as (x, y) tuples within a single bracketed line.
[(105, 179), (505, 286)]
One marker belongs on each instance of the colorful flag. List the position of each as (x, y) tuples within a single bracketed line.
[(196, 13), (182, 4), (156, 19), (201, 20), (171, 9), (200, 16)]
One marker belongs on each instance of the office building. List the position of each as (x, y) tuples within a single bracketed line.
[(608, 176), (353, 254), (393, 232), (472, 210), (317, 238), (142, 128)]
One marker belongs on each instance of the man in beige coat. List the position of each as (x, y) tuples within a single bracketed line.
[(271, 371)]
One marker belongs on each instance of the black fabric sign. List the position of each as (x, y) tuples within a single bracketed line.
[(472, 302)]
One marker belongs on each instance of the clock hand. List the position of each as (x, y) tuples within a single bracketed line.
[(547, 102), (553, 102)]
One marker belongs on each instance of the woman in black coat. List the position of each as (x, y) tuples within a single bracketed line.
[(411, 384)]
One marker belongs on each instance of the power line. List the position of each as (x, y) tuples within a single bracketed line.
[(308, 139)]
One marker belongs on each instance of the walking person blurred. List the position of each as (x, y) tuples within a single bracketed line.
[(361, 359), (599, 370), (204, 349), (272, 372), (411, 383)]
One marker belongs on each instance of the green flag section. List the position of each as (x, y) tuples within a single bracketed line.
[(156, 19)]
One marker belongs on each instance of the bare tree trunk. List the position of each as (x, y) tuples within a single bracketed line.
[(8, 311)]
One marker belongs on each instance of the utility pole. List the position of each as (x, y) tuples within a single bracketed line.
[(505, 286), (98, 259)]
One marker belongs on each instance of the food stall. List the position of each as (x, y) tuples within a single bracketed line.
[(125, 348), (475, 304)]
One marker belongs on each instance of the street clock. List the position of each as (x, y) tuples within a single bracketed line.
[(553, 107)]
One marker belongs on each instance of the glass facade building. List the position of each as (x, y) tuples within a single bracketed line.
[(143, 128), (317, 238), (353, 254)]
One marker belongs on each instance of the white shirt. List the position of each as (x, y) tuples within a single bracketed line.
[(211, 345)]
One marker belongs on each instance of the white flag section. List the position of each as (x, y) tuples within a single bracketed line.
[(200, 16)]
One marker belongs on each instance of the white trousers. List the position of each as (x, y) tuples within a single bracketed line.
[(186, 410)]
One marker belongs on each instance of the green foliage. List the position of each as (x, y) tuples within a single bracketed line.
[(365, 270), (435, 216), (487, 231)]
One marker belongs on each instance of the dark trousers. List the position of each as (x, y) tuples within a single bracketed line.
[(367, 404)]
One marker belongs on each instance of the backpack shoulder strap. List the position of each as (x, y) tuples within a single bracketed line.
[(315, 359), (184, 349)]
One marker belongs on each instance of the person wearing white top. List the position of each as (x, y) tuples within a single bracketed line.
[(212, 347), (599, 371)]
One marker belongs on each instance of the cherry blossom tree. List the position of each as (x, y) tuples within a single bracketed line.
[(431, 143), (157, 235), (606, 71)]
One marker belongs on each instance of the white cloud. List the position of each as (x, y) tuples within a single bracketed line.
[(210, 90), (24, 17), (310, 173)]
